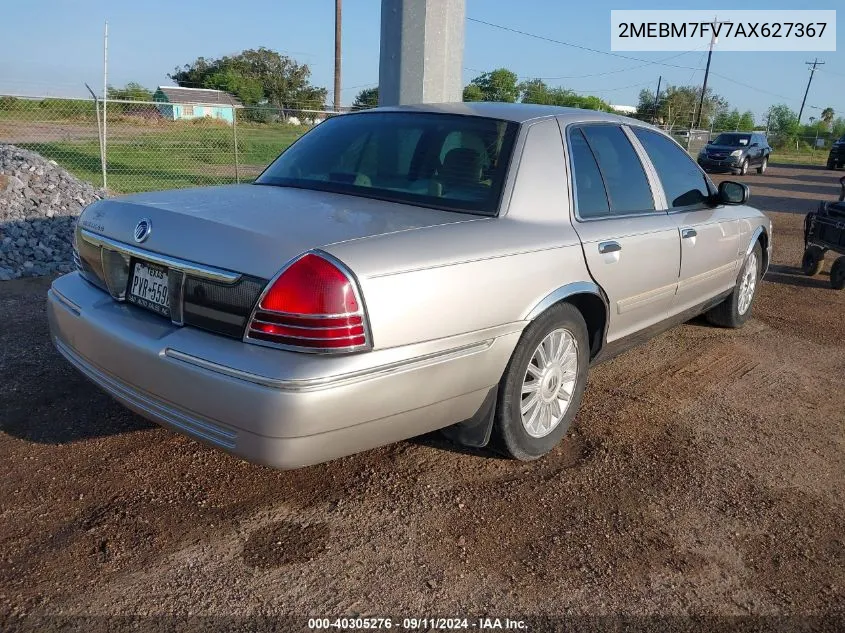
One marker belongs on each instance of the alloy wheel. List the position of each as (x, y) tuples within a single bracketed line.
[(549, 383), (748, 283)]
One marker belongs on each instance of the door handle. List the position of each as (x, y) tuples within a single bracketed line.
[(609, 247), (688, 233)]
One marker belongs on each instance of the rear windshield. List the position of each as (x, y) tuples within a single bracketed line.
[(444, 161), (736, 140)]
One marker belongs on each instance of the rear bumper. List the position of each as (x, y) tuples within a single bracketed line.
[(278, 408)]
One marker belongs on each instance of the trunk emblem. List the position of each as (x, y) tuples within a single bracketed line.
[(143, 230)]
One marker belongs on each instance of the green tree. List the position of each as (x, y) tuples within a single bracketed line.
[(746, 121), (367, 98), (284, 82), (535, 91), (827, 116), (678, 107), (473, 93), (130, 92), (248, 89), (783, 120), (727, 120), (497, 85), (647, 109)]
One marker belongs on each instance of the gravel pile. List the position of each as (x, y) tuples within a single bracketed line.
[(39, 204)]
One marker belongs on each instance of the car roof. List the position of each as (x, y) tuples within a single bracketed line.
[(516, 112)]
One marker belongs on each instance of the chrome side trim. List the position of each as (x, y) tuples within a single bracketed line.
[(754, 237), (707, 275), (328, 382), (767, 255), (67, 303), (577, 287), (195, 270), (192, 426), (643, 299)]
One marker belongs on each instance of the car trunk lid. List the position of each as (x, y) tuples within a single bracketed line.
[(205, 255), (252, 229)]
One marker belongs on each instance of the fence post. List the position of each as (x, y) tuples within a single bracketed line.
[(235, 137), (105, 101), (99, 134)]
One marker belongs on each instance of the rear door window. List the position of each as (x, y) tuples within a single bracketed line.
[(590, 193), (682, 180), (624, 177)]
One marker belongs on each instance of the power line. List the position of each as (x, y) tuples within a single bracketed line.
[(638, 59), (620, 70), (579, 46), (825, 71), (750, 87)]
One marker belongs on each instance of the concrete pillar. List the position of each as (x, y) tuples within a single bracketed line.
[(422, 51)]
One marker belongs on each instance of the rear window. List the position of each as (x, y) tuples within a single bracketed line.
[(444, 161)]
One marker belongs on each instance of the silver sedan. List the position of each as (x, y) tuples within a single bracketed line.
[(403, 270)]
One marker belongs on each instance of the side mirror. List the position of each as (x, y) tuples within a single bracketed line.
[(731, 192), (755, 145)]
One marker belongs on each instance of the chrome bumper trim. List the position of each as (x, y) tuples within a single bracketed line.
[(327, 382), (70, 305), (190, 268), (192, 426)]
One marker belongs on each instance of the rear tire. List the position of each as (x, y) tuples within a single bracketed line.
[(837, 274), (813, 260), (762, 168), (734, 311), (533, 412)]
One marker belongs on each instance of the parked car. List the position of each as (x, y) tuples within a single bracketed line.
[(401, 270), (736, 152), (836, 158)]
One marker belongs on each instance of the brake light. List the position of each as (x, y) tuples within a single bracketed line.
[(313, 305)]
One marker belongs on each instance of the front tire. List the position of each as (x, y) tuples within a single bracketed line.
[(734, 311), (743, 169), (837, 274), (543, 384), (811, 263)]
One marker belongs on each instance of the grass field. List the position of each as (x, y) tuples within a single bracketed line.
[(144, 160), (819, 157)]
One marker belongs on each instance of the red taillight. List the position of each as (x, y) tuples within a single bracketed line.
[(312, 305)]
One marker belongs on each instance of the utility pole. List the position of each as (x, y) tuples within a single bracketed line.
[(105, 98), (337, 31), (814, 63), (697, 120), (656, 100)]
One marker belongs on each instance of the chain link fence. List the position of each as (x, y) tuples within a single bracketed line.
[(152, 145)]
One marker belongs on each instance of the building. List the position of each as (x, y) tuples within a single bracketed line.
[(177, 103)]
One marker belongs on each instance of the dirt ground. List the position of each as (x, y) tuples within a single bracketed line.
[(704, 478)]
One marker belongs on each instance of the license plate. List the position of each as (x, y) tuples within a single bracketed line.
[(148, 288)]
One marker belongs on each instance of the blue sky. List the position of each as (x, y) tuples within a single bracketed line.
[(52, 47)]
